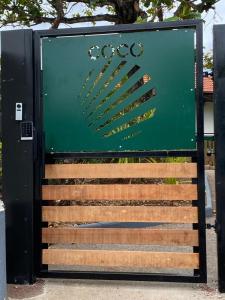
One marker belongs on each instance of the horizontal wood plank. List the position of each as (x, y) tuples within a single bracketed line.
[(120, 214), (118, 192), (106, 258), (140, 236), (127, 170)]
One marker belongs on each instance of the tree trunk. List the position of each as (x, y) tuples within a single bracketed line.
[(128, 11)]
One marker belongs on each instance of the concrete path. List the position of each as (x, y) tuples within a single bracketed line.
[(211, 179), (105, 290)]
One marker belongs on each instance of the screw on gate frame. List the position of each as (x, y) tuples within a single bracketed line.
[(51, 150)]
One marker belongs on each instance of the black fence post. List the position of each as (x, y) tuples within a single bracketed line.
[(18, 154), (219, 111)]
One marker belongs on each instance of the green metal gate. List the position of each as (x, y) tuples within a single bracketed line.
[(111, 131), (123, 94), (119, 91)]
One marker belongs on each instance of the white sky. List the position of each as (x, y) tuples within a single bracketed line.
[(213, 17), (210, 18)]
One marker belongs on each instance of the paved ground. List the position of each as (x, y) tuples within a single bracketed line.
[(113, 290), (211, 178), (103, 290)]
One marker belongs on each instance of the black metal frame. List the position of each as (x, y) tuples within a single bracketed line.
[(198, 155), (18, 156), (219, 116), (49, 157)]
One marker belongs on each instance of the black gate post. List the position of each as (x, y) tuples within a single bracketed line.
[(18, 154), (219, 111)]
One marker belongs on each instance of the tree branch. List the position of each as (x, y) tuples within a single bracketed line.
[(97, 3), (160, 13), (58, 6), (105, 17), (204, 5)]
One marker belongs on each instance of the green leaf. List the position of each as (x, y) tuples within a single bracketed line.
[(174, 18)]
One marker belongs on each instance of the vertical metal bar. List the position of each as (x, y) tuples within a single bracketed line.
[(200, 154), (2, 253), (18, 167), (195, 226), (219, 117), (39, 162)]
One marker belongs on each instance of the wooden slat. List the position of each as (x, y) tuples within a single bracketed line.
[(130, 170), (140, 236), (119, 192), (105, 258), (120, 214)]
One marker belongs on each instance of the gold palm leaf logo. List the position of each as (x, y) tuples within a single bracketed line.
[(111, 98)]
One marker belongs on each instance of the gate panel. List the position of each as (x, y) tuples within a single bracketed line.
[(113, 96), (172, 206), (121, 258), (118, 89), (141, 170), (169, 237)]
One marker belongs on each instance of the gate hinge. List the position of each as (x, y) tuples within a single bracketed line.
[(211, 226)]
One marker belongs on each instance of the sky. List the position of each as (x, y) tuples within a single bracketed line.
[(212, 17), (216, 16)]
